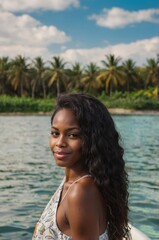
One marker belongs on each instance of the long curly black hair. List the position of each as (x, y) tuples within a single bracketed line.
[(103, 157)]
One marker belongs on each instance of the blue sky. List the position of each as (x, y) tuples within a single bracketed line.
[(80, 30)]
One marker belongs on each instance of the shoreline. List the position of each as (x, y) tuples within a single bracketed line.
[(113, 111), (122, 111)]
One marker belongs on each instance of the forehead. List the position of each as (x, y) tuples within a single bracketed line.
[(65, 117)]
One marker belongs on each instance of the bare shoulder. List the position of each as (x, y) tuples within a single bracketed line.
[(83, 191), (83, 207)]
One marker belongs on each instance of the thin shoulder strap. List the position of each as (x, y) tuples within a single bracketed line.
[(73, 184)]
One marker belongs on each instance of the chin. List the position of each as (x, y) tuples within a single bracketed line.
[(60, 163)]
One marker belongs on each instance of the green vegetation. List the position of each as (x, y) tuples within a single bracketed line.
[(23, 104), (33, 85), (139, 100)]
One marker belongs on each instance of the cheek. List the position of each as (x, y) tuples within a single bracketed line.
[(79, 147), (51, 143)]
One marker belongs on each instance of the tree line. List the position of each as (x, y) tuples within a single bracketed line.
[(37, 78)]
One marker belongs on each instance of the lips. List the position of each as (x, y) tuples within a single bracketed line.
[(60, 154)]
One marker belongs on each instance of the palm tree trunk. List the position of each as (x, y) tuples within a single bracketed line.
[(157, 88), (33, 91), (2, 87), (128, 86), (44, 89), (111, 88), (157, 95), (58, 87), (157, 83), (21, 87)]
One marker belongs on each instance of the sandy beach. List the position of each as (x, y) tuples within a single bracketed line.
[(132, 112)]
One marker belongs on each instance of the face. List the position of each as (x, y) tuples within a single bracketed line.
[(65, 141)]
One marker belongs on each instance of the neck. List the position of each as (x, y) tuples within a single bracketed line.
[(74, 175)]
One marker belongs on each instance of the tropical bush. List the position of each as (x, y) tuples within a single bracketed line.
[(32, 85), (142, 99), (135, 100), (16, 104), (39, 79)]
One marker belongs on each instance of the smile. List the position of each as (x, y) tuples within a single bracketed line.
[(60, 155)]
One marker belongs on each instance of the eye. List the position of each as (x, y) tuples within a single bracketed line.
[(73, 135), (54, 133)]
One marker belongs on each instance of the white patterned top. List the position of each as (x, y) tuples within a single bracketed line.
[(47, 228)]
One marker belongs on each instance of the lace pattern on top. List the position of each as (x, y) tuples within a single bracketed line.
[(47, 228)]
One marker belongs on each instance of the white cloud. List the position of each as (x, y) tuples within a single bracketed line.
[(25, 34), (26, 51), (139, 51), (30, 5), (118, 17)]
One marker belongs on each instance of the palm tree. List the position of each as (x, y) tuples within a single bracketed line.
[(89, 79), (129, 68), (19, 74), (152, 70), (75, 75), (39, 79), (57, 73), (4, 67), (111, 74)]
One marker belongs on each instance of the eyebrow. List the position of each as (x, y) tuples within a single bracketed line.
[(68, 129)]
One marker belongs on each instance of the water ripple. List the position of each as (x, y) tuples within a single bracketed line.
[(28, 175)]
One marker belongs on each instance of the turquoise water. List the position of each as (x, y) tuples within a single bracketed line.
[(28, 176)]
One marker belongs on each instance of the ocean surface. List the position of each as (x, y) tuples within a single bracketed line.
[(28, 175)]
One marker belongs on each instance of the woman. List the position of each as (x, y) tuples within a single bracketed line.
[(92, 201)]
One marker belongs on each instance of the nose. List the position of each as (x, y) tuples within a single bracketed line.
[(61, 142)]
